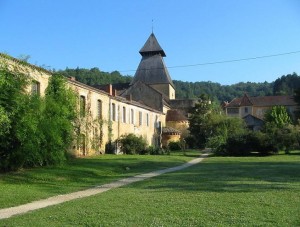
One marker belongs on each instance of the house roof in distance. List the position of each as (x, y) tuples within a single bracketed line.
[(262, 101)]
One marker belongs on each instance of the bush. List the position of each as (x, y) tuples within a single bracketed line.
[(191, 142), (109, 148), (245, 144), (132, 144), (175, 146)]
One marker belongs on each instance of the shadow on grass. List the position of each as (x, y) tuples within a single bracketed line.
[(84, 173), (232, 177)]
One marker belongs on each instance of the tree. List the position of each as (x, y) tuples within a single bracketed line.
[(198, 127), (13, 106), (278, 116), (58, 120), (209, 126), (4, 122), (34, 130)]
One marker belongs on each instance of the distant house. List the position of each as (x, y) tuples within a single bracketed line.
[(253, 109)]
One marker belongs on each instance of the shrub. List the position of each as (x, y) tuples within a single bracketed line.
[(175, 146), (156, 151), (245, 144), (132, 144), (191, 142), (109, 148)]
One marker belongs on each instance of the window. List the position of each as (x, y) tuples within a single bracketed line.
[(147, 119), (124, 114), (113, 112), (246, 109), (140, 118), (82, 106), (35, 88), (99, 109), (232, 110), (132, 116)]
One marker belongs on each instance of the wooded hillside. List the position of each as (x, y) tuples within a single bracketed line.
[(284, 85)]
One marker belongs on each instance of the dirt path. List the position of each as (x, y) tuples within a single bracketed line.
[(8, 212)]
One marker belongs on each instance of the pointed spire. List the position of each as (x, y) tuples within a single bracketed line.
[(152, 47), (152, 69)]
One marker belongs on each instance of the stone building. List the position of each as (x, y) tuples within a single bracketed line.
[(140, 107)]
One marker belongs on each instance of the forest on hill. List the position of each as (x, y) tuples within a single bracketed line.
[(284, 85)]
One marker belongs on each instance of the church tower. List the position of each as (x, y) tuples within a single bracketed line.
[(152, 69)]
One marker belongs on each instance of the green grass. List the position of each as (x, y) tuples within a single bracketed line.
[(29, 185), (221, 191)]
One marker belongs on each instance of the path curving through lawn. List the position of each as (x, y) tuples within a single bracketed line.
[(9, 212)]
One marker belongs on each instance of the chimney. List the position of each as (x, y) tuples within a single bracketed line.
[(129, 97), (114, 92), (108, 89)]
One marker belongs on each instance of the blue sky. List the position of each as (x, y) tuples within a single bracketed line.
[(109, 34)]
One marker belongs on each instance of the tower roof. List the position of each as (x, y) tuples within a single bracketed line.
[(152, 47), (152, 70)]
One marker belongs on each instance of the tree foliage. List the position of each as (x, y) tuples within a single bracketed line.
[(278, 116), (285, 85), (209, 126), (219, 92), (35, 130), (94, 76)]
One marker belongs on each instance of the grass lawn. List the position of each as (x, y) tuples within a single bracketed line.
[(221, 191), (29, 185)]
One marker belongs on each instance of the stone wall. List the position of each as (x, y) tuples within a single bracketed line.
[(166, 89)]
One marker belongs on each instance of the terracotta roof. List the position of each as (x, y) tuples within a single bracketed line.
[(170, 131), (175, 115), (246, 101), (263, 101), (152, 47)]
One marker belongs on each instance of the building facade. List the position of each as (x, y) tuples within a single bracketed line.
[(107, 113)]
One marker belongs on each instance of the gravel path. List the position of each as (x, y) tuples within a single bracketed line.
[(8, 212)]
